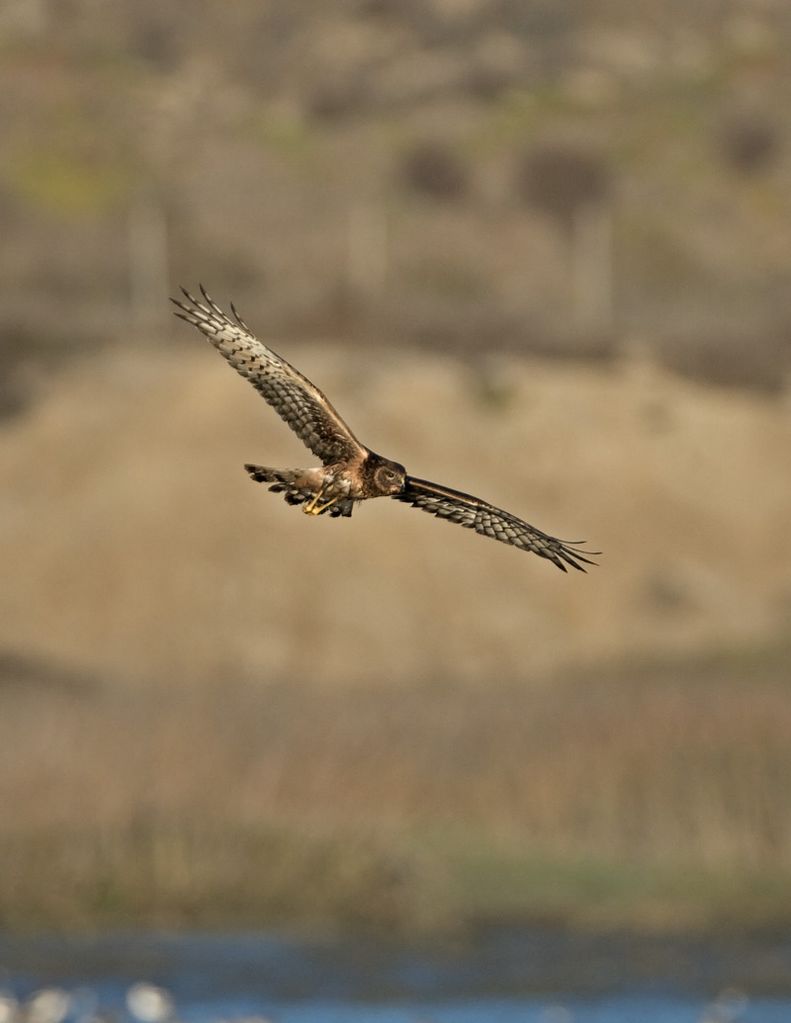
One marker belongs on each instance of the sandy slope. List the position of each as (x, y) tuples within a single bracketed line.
[(132, 541)]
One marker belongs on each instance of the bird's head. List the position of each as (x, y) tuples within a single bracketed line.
[(387, 477)]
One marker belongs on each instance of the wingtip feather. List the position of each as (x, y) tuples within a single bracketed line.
[(239, 319)]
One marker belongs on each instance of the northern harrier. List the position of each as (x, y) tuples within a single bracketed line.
[(349, 472)]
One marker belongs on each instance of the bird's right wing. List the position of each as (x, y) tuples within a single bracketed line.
[(295, 399), (473, 513)]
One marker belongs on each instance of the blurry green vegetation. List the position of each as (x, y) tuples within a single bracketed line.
[(655, 797), (67, 182), (164, 873), (287, 136), (235, 116), (494, 885)]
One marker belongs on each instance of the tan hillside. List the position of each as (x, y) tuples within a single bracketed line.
[(133, 543)]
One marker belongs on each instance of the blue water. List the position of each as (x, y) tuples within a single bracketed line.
[(503, 976)]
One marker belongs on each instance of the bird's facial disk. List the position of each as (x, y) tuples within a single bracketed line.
[(390, 477)]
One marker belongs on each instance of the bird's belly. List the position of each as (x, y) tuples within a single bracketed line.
[(341, 486), (329, 483)]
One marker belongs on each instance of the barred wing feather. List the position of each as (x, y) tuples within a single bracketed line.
[(472, 513), (295, 399)]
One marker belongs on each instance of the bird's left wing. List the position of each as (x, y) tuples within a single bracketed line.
[(295, 399), (472, 513)]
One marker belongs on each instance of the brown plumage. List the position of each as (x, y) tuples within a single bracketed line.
[(350, 472)]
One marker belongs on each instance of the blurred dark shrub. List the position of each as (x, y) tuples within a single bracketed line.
[(25, 672), (339, 98), (757, 360), (158, 43), (486, 82), (558, 178), (749, 143), (435, 169)]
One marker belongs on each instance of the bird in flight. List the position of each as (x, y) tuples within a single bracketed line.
[(350, 472)]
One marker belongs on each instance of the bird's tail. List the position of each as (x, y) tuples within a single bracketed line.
[(291, 484), (282, 481)]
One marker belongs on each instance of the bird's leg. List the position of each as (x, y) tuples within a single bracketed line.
[(310, 507), (314, 508), (319, 508)]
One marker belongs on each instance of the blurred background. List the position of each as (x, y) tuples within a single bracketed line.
[(538, 251)]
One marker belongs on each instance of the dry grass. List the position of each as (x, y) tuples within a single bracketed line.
[(414, 806)]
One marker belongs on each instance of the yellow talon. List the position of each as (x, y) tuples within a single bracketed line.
[(314, 508), (323, 507), (309, 508)]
